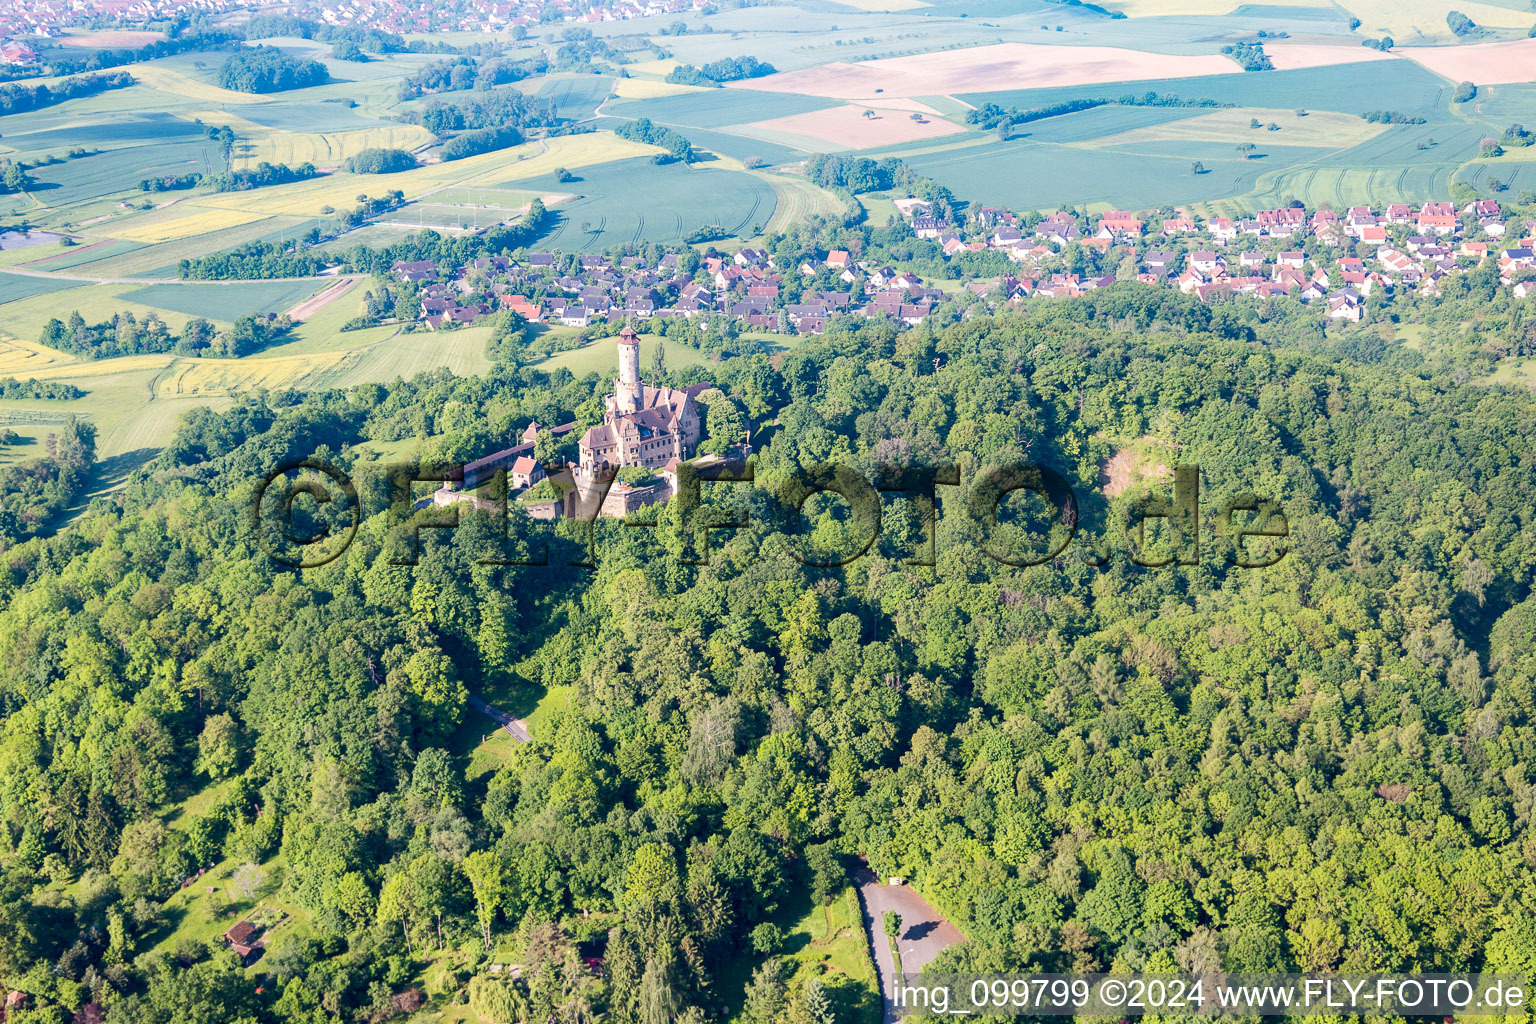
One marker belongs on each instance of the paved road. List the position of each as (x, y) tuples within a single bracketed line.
[(516, 727), (88, 279), (924, 933)]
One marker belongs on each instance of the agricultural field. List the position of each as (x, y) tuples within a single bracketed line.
[(19, 357), (406, 355), (1000, 66), (1321, 129), (1347, 88), (69, 257), (717, 108), (1028, 175), (159, 261), (117, 172), (339, 191), (856, 127), (837, 59), (193, 221), (24, 286), (1102, 123), (639, 201), (576, 97), (1412, 22), (796, 199), (225, 301), (328, 149), (193, 378)]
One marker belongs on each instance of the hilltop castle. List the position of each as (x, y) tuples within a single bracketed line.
[(642, 425)]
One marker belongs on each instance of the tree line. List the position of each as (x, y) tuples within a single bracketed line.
[(126, 335), (17, 99)]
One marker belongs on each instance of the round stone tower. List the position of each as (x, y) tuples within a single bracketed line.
[(626, 389)]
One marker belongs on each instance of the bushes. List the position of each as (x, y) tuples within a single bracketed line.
[(1459, 23), (481, 140), (380, 161), (494, 109), (268, 69), (729, 69), (678, 147), (1249, 56), (1464, 92), (264, 174), (124, 335)]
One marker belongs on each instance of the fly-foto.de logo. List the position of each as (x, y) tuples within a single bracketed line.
[(306, 513)]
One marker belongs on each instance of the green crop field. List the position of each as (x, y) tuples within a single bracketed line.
[(14, 287), (1504, 104), (639, 201), (1029, 175), (124, 130), (575, 98), (1100, 122), (225, 301), (80, 255), (113, 172), (740, 147), (24, 317), (406, 355), (1348, 88), (718, 108), (318, 116), (159, 261)]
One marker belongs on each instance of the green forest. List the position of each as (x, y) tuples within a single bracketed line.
[(1088, 764)]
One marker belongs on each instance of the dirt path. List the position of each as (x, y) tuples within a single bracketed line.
[(327, 295), (516, 727)]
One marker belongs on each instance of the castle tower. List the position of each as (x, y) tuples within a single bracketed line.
[(626, 389)]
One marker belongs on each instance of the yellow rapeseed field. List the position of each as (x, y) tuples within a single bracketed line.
[(340, 191), (329, 149), (194, 377), (650, 88), (196, 221), (98, 367), (175, 82), (19, 358), (652, 67)]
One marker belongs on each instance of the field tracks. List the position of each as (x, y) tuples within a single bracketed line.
[(330, 293)]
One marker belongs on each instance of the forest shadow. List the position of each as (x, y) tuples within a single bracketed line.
[(115, 469)]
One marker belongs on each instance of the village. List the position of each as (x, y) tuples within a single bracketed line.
[(1336, 260), (1333, 260), (21, 20)]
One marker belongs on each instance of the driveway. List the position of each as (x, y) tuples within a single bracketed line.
[(924, 933), (516, 727)]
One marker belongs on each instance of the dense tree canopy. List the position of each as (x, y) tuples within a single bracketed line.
[(268, 69), (1088, 764)]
